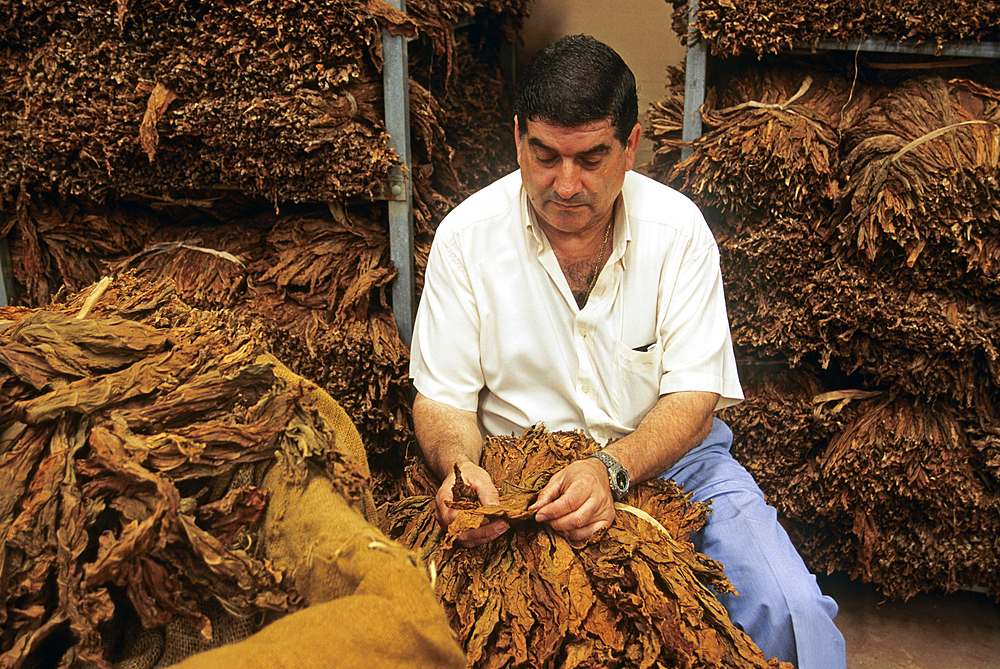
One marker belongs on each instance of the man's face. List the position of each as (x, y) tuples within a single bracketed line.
[(573, 175)]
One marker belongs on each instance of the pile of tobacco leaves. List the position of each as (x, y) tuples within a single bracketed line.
[(239, 149), (735, 27), (276, 99), (634, 595), (131, 429), (314, 278), (855, 202)]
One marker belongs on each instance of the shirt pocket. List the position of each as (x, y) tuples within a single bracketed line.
[(637, 377)]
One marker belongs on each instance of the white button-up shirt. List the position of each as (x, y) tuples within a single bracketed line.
[(499, 332)]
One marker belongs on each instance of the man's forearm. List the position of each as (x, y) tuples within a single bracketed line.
[(446, 435), (677, 423)]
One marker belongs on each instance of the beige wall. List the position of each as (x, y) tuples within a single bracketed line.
[(639, 30)]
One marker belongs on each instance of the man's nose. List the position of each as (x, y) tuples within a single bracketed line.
[(567, 182)]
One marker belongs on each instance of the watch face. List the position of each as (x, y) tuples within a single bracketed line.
[(621, 481)]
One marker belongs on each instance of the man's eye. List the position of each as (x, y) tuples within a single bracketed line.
[(547, 160), (591, 164)]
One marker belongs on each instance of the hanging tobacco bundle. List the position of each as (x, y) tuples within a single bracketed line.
[(771, 143), (894, 491), (635, 595), (130, 430), (789, 299), (879, 281), (665, 125), (921, 184)]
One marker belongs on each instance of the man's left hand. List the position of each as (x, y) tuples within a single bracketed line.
[(577, 501)]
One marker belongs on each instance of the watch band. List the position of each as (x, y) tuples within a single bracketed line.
[(618, 477)]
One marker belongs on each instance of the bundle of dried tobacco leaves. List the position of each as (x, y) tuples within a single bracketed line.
[(269, 99), (897, 491), (771, 142), (921, 184), (854, 203), (130, 428), (635, 595), (768, 26)]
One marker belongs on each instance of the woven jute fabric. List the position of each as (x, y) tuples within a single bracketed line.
[(368, 603), (348, 439)]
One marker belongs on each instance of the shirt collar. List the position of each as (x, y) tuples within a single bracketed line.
[(622, 230)]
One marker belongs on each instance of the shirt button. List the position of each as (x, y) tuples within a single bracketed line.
[(585, 388), (583, 332)]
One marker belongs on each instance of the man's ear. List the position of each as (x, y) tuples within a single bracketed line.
[(632, 145), (517, 140)]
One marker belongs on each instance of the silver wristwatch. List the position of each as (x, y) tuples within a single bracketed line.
[(617, 476)]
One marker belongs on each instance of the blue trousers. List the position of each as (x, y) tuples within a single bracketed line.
[(780, 605)]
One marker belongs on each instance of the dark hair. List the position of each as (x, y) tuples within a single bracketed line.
[(577, 80)]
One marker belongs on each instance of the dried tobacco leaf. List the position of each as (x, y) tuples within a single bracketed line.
[(769, 26), (635, 595), (126, 490), (893, 491)]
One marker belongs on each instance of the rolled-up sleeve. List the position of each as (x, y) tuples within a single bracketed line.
[(694, 329), (445, 352)]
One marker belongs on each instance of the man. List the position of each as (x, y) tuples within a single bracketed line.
[(580, 294)]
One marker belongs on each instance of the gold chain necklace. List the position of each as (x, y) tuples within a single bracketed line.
[(600, 258)]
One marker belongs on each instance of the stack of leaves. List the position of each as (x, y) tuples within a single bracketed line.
[(62, 246), (133, 97), (316, 282), (771, 141), (790, 299), (634, 595), (869, 261), (922, 185), (128, 420), (897, 491), (735, 27), (265, 98)]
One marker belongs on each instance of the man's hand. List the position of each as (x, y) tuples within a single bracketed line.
[(577, 501), (476, 477)]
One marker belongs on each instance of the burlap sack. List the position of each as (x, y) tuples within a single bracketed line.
[(348, 439), (369, 604)]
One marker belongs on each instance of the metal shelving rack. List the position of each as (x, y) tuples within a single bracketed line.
[(697, 65)]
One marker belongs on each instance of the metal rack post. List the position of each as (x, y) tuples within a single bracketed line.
[(6, 275), (396, 80), (695, 66)]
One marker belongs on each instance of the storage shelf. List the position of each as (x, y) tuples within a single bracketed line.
[(696, 65)]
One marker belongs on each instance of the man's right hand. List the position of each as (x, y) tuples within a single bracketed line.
[(476, 477)]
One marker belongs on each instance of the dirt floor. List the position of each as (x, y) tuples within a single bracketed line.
[(956, 631)]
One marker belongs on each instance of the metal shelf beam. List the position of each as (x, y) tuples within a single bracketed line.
[(695, 72), (956, 49)]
